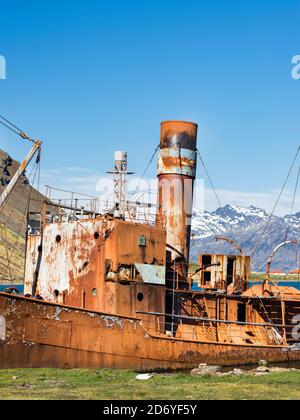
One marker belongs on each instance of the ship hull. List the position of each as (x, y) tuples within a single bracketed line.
[(40, 334)]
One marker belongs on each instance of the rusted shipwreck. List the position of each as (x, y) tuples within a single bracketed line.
[(110, 291)]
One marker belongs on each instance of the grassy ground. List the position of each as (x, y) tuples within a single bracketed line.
[(114, 385), (12, 248)]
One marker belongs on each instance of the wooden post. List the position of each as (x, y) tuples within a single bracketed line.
[(283, 321)]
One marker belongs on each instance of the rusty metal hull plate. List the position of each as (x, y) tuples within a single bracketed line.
[(39, 334)]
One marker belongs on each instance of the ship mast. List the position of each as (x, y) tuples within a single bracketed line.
[(36, 148), (120, 174), (5, 195)]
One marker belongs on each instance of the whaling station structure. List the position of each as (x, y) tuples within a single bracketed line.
[(110, 291)]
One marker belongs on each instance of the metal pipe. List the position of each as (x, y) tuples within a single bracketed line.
[(176, 174), (204, 267), (271, 258), (215, 321), (221, 238)]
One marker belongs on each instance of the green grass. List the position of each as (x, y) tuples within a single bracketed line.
[(12, 247), (113, 385)]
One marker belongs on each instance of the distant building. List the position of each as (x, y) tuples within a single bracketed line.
[(278, 273), (224, 272)]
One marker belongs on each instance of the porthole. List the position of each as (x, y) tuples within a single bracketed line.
[(58, 239), (56, 293), (140, 297), (96, 235)]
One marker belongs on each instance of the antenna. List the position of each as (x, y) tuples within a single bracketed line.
[(120, 183)]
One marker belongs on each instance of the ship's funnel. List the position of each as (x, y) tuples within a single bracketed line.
[(176, 174)]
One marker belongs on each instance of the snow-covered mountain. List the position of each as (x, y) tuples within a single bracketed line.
[(226, 218), (245, 225)]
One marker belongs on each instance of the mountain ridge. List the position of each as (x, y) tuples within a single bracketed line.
[(245, 225)]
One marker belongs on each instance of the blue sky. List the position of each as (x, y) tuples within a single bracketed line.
[(91, 77)]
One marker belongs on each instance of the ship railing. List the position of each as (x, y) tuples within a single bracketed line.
[(72, 198), (65, 205), (136, 211), (218, 331), (59, 211)]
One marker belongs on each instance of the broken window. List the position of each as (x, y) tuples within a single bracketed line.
[(230, 271), (242, 312), (206, 277), (206, 260)]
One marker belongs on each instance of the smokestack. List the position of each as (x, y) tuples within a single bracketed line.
[(176, 175)]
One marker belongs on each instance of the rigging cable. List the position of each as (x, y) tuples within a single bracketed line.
[(293, 202), (12, 127), (146, 170), (10, 123), (213, 188), (276, 204), (38, 161), (209, 178)]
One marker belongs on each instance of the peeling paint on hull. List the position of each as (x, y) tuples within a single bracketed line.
[(35, 338)]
